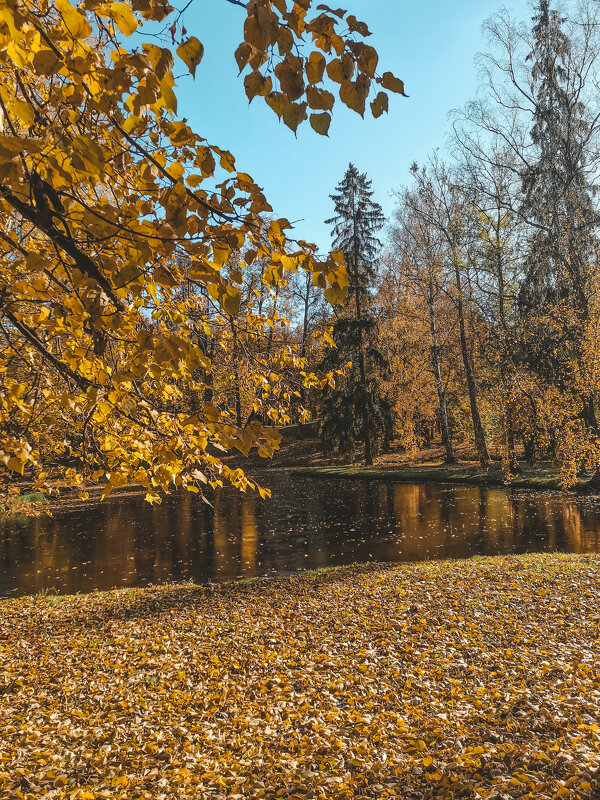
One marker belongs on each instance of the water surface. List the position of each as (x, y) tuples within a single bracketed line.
[(308, 524)]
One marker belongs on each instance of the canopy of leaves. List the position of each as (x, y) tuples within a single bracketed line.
[(125, 238), (476, 679)]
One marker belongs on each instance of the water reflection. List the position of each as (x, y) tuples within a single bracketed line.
[(307, 524)]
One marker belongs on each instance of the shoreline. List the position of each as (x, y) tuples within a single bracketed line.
[(530, 479), (467, 476)]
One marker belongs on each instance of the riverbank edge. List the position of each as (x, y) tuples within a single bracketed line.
[(466, 477), (540, 480), (339, 573)]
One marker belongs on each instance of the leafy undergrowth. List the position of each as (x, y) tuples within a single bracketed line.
[(441, 680)]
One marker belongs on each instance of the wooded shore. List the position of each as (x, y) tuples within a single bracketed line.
[(532, 478)]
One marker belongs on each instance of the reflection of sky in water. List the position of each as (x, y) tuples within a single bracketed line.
[(307, 524)]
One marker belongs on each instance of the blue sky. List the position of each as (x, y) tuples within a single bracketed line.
[(430, 44)]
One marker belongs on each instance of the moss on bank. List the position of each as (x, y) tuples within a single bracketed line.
[(474, 679), (28, 503)]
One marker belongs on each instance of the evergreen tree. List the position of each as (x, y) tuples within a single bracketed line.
[(557, 197), (355, 412), (558, 201)]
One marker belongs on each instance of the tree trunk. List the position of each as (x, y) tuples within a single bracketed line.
[(238, 399), (236, 375), (588, 413), (508, 411), (510, 439), (437, 371), (529, 449), (305, 316), (482, 451), (272, 328), (363, 384)]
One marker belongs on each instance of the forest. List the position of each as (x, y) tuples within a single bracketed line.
[(142, 336), (475, 317), (184, 611)]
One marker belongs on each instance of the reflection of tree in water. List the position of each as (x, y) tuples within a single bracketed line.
[(582, 528), (250, 538), (308, 524)]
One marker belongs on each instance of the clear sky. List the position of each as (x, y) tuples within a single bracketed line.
[(430, 44)]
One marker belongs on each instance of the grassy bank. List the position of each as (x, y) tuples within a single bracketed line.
[(476, 679), (530, 478), (25, 503)]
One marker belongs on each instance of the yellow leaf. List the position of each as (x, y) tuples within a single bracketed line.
[(191, 52), (277, 101), (354, 93), (291, 78), (320, 123), (367, 58), (75, 21), (335, 70), (22, 111), (358, 26), (315, 67), (87, 155), (260, 28), (319, 99), (389, 81), (121, 14), (160, 58), (168, 96), (176, 170), (294, 114), (231, 303), (15, 464), (242, 54), (285, 41), (256, 84), (130, 123), (45, 62), (379, 104)]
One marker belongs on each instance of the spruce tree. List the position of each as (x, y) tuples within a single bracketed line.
[(558, 201), (355, 411), (557, 197)]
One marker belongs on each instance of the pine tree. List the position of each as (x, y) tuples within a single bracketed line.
[(355, 412)]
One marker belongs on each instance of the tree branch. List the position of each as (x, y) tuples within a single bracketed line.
[(82, 261), (63, 369)]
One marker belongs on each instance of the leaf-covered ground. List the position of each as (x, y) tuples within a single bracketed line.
[(441, 680)]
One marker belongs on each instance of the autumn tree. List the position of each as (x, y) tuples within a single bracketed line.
[(411, 299), (558, 200), (442, 207), (539, 99), (110, 204), (355, 411)]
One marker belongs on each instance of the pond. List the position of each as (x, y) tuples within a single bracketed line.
[(308, 524)]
